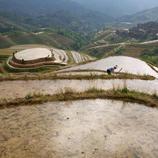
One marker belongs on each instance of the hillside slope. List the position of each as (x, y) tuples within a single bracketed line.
[(118, 8), (142, 17), (63, 23), (48, 13), (145, 51)]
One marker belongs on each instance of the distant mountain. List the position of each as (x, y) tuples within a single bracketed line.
[(51, 13), (142, 17), (117, 8)]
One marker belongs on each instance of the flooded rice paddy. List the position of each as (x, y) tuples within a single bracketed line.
[(19, 89), (79, 129), (125, 64)]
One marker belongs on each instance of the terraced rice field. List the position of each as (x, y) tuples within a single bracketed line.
[(84, 128), (34, 52), (125, 64), (60, 56), (156, 68), (24, 88), (79, 129), (78, 58)]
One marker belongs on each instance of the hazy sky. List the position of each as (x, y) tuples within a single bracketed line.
[(117, 7)]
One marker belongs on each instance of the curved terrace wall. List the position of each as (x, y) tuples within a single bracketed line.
[(24, 62), (28, 58), (30, 65)]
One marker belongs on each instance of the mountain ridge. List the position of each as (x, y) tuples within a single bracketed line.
[(142, 17), (118, 8), (61, 13)]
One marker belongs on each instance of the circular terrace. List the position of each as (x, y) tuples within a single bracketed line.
[(32, 58)]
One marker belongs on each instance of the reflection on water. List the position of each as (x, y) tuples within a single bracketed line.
[(128, 65), (79, 129), (18, 89)]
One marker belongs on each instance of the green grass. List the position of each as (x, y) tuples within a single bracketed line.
[(55, 76), (3, 58), (100, 52), (71, 59), (57, 37), (153, 59), (32, 70), (120, 94), (148, 53)]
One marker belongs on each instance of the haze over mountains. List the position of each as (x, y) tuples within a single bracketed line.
[(72, 15), (118, 8), (142, 17), (59, 22), (67, 23), (63, 13)]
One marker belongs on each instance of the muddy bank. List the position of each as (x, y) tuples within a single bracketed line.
[(94, 128), (19, 89)]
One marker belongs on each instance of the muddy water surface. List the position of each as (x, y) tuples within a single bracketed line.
[(125, 64), (19, 89), (79, 129)]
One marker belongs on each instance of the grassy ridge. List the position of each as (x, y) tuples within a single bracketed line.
[(55, 76), (121, 94)]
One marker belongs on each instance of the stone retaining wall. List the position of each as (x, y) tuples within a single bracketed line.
[(24, 62), (16, 65)]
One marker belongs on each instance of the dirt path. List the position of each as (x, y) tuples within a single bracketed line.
[(150, 42)]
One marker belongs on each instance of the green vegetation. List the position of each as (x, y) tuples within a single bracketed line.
[(151, 56), (41, 69), (3, 58), (128, 42), (59, 38), (62, 24), (148, 15), (101, 52), (67, 95), (71, 59), (119, 50), (146, 52), (79, 40), (55, 76)]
